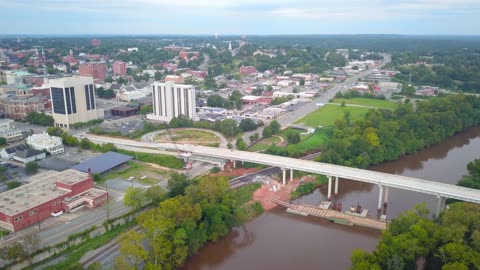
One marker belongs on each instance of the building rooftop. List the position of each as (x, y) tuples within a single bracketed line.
[(44, 140), (103, 163), (41, 189)]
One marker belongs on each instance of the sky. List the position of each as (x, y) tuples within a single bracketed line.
[(249, 17)]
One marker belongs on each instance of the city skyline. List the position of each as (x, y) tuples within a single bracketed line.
[(235, 17)]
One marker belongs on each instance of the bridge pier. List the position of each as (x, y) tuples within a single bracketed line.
[(380, 193), (291, 175), (336, 185), (284, 172), (440, 205), (385, 198), (329, 193), (234, 164)]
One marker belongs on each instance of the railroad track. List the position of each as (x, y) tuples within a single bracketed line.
[(104, 252)]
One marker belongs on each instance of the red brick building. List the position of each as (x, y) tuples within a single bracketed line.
[(96, 70), (96, 42), (48, 194), (19, 108), (247, 70), (119, 68)]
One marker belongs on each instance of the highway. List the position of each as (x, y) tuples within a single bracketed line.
[(395, 181)]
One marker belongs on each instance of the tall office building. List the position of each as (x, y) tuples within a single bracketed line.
[(171, 100), (119, 68), (73, 101), (97, 70)]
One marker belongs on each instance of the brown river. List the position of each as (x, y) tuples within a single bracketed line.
[(281, 241)]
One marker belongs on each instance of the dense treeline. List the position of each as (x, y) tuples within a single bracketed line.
[(414, 241), (178, 227), (41, 119), (451, 69), (385, 135), (472, 180)]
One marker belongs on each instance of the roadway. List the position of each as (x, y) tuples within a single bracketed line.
[(395, 181)]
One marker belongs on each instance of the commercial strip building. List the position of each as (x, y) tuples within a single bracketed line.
[(49, 193), (171, 100), (73, 101), (96, 70), (51, 144), (9, 131)]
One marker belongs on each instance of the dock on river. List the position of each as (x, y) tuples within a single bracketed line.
[(332, 215)]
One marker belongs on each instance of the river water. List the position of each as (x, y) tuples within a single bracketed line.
[(281, 241)]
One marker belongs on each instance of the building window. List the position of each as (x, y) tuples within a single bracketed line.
[(87, 97), (18, 218), (54, 203), (59, 201), (74, 103), (92, 97), (58, 101), (33, 212), (67, 99)]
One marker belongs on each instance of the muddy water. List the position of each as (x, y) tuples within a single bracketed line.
[(277, 240)]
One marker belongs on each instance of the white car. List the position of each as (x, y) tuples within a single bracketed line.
[(319, 104), (130, 178)]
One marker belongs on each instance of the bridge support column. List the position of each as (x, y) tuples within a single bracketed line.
[(329, 192), (440, 206), (336, 185), (234, 164), (385, 198), (380, 193), (291, 175), (284, 172)]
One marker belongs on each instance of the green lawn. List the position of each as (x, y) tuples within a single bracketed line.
[(190, 137), (326, 115), (137, 170), (263, 144), (385, 104)]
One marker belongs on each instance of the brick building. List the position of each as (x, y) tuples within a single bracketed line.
[(119, 68), (16, 108), (96, 70), (247, 70), (96, 42), (48, 194)]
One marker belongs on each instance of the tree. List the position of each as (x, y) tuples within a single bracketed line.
[(293, 138), (275, 126), (23, 250), (85, 143), (181, 122), (31, 168), (177, 184), (216, 101), (39, 119), (247, 124), (134, 198), (13, 184), (3, 141), (146, 109), (240, 144), (155, 194), (132, 251), (235, 100), (267, 132), (254, 137), (302, 82), (229, 145), (228, 127)]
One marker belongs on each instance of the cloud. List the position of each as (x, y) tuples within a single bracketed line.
[(249, 15)]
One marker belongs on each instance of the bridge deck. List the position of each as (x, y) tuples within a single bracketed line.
[(335, 216)]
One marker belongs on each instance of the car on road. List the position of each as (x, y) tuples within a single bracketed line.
[(130, 178), (319, 104)]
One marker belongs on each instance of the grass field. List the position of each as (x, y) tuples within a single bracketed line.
[(385, 104), (137, 170), (263, 144), (190, 137), (326, 115)]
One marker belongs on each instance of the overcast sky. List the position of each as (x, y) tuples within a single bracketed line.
[(240, 17)]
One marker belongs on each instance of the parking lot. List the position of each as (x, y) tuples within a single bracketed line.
[(124, 126)]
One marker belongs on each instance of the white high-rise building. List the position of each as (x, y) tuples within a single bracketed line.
[(171, 100), (73, 100)]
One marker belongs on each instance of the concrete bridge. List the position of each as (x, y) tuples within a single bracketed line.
[(334, 172)]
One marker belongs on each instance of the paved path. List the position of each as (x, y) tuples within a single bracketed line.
[(360, 106)]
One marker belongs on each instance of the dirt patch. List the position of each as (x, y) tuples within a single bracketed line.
[(273, 189), (231, 172)]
